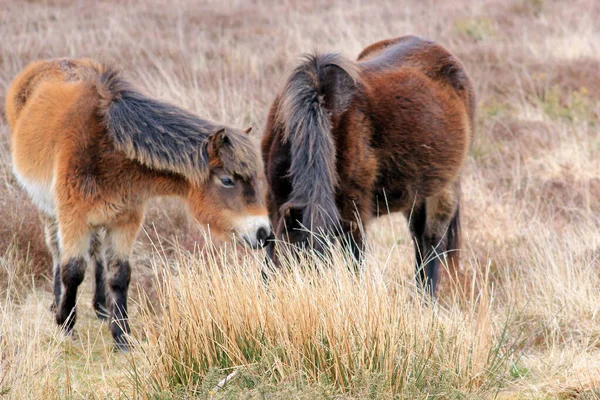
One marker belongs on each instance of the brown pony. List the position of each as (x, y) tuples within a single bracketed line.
[(91, 151), (346, 141)]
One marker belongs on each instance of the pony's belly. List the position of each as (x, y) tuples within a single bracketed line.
[(41, 193)]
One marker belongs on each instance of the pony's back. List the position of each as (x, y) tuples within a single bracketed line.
[(430, 58)]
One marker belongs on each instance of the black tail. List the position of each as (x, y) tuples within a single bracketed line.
[(321, 87)]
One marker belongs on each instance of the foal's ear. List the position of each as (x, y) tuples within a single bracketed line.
[(338, 87), (217, 140)]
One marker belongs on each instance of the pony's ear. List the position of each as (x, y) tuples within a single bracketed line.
[(339, 88), (217, 140), (247, 131)]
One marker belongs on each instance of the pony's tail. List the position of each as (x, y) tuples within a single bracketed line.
[(320, 90), (111, 87), (120, 113)]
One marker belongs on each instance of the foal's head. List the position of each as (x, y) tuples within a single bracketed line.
[(230, 200)]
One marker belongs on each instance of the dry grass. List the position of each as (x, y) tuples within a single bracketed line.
[(525, 323)]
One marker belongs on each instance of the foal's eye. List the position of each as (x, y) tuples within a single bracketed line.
[(227, 181)]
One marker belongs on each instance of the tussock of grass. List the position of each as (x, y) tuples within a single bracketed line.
[(322, 325)]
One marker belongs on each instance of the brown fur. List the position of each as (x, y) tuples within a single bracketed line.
[(98, 150), (401, 120)]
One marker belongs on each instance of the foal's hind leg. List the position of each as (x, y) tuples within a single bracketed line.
[(119, 240), (97, 258), (51, 234), (74, 245)]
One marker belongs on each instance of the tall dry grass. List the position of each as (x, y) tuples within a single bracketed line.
[(522, 324), (358, 334)]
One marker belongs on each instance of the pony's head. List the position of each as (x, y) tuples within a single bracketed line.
[(230, 200)]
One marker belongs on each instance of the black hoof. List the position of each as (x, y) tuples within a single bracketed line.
[(66, 322), (101, 312), (122, 345)]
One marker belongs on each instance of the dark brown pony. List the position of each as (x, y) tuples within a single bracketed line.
[(346, 141)]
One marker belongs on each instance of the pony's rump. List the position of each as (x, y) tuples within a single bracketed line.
[(437, 63), (322, 86), (25, 84)]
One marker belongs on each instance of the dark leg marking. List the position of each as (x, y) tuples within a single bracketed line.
[(417, 230), (434, 248), (71, 274), (118, 284)]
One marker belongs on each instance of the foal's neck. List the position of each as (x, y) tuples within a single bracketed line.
[(161, 183)]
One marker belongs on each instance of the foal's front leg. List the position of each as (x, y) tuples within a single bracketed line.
[(119, 241)]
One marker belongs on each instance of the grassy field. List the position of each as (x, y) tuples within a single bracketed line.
[(522, 320)]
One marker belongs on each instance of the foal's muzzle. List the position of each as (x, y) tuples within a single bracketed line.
[(255, 230)]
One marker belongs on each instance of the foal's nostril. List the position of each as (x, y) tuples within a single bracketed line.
[(262, 235)]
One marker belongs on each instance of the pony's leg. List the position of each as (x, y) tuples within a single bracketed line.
[(51, 234), (97, 257), (270, 264), (271, 257), (416, 224), (119, 240), (440, 209), (353, 211), (74, 245), (277, 246), (353, 243)]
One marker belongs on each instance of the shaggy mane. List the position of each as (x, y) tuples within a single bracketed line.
[(165, 137)]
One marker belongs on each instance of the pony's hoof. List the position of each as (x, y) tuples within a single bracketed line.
[(101, 315), (122, 345), (66, 322), (101, 312)]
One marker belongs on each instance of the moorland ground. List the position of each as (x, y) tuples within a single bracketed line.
[(521, 320)]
